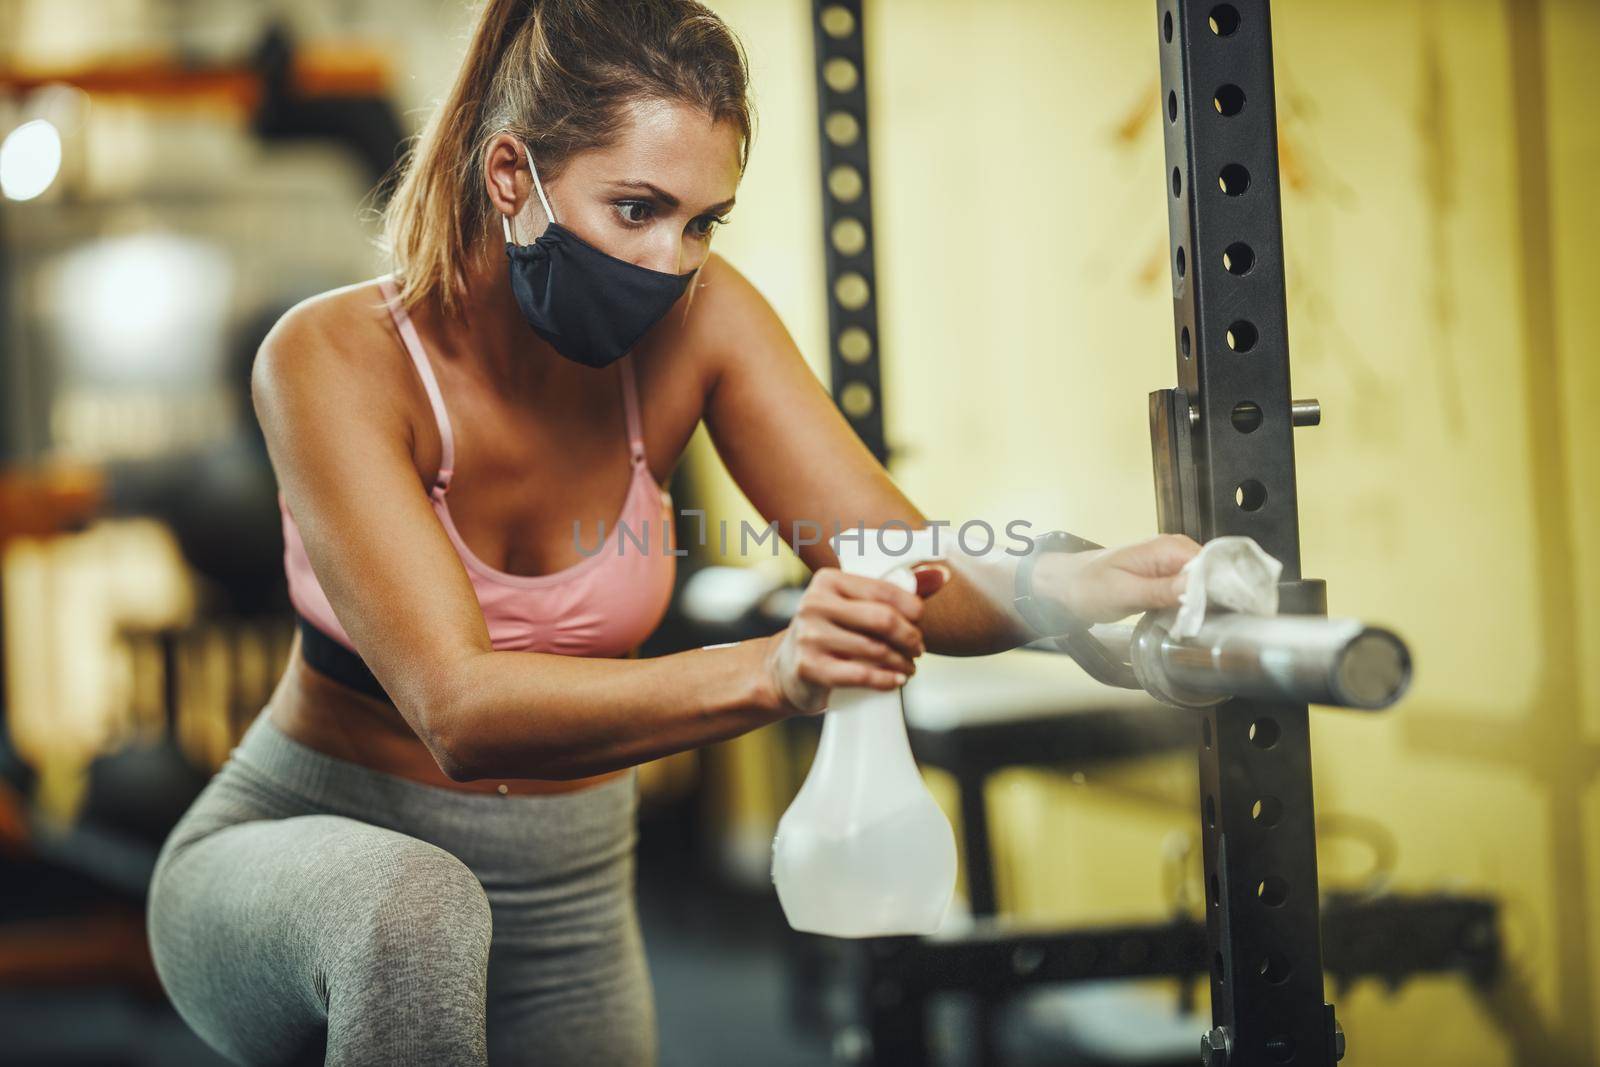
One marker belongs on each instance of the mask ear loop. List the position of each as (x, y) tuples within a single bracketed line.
[(505, 220)]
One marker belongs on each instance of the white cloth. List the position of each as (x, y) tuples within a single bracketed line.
[(1228, 572)]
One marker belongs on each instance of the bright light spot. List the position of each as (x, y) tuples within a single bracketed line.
[(29, 160), (145, 307)]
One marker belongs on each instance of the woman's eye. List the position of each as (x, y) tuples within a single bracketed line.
[(706, 224), (633, 212)]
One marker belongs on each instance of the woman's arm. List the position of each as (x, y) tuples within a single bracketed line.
[(795, 457), (791, 452)]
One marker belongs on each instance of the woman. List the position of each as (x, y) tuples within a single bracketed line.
[(421, 852)]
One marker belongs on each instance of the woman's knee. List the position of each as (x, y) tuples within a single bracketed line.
[(422, 910), (410, 981)]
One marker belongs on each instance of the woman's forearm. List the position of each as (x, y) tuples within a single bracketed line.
[(538, 715), (966, 618), (973, 615), (1094, 585)]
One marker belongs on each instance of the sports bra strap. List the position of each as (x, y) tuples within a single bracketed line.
[(413, 343), (630, 404)]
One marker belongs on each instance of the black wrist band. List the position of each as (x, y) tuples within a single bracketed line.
[(1047, 617)]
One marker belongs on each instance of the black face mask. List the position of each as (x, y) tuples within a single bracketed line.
[(590, 306)]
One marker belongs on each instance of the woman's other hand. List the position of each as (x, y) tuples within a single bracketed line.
[(1107, 584), (848, 631)]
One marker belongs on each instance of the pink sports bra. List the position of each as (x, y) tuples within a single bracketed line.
[(603, 605)]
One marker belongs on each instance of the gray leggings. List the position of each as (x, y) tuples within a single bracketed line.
[(309, 910)]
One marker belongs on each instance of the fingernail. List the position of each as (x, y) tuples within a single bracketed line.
[(899, 679), (931, 577)]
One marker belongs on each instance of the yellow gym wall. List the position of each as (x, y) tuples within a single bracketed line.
[(1437, 158)]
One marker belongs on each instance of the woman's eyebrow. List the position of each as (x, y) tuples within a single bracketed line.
[(667, 198)]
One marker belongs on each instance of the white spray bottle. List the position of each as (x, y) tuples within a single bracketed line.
[(864, 850)]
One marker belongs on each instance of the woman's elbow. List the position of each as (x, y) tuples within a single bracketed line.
[(432, 705), (455, 766), (466, 752), (471, 740), (452, 744), (453, 752)]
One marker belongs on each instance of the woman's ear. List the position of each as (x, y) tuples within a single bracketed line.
[(505, 177)]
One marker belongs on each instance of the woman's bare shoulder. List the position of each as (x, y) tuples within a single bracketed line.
[(336, 357), (342, 323), (342, 339)]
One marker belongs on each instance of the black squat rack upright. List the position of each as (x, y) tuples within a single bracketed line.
[(1223, 451)]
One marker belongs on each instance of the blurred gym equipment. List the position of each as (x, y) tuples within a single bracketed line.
[(143, 335)]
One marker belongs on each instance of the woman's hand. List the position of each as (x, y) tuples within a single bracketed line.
[(1107, 584), (848, 631)]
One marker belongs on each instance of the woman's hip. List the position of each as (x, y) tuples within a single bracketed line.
[(519, 844)]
